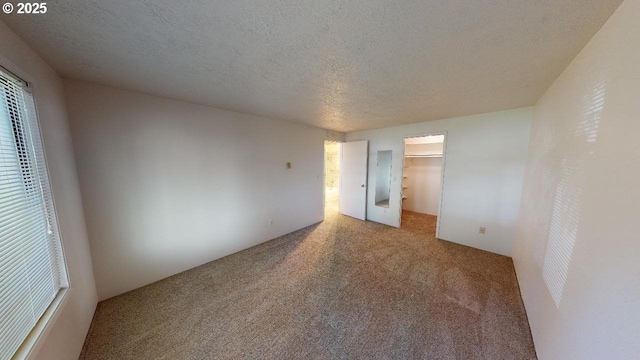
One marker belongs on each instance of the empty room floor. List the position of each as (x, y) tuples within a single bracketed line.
[(340, 289)]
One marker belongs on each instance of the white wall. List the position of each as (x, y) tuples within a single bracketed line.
[(484, 169), (170, 185), (578, 250), (423, 181), (64, 336)]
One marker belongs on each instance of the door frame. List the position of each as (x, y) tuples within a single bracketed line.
[(442, 172)]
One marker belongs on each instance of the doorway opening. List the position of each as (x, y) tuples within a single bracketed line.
[(332, 154), (422, 177)]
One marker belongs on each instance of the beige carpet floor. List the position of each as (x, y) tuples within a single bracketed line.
[(341, 289)]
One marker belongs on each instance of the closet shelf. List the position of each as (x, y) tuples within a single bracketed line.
[(424, 156)]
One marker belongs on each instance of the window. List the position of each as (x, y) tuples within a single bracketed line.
[(32, 270)]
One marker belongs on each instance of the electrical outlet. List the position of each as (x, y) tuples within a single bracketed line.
[(483, 230)]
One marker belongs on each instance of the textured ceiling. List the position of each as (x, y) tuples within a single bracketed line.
[(341, 65)]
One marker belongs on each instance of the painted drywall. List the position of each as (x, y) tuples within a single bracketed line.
[(483, 173), (422, 179), (577, 250), (64, 335), (170, 185)]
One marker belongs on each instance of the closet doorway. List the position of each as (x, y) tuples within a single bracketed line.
[(422, 177)]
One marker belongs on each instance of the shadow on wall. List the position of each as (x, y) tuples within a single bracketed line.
[(564, 220)]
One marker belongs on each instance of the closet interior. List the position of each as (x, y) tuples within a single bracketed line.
[(422, 174)]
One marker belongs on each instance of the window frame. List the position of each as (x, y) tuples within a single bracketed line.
[(32, 342)]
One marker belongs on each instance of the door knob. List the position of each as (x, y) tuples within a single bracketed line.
[(362, 185)]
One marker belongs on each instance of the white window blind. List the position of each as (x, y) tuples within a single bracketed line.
[(32, 267)]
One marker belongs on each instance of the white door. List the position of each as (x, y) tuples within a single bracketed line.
[(353, 179)]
